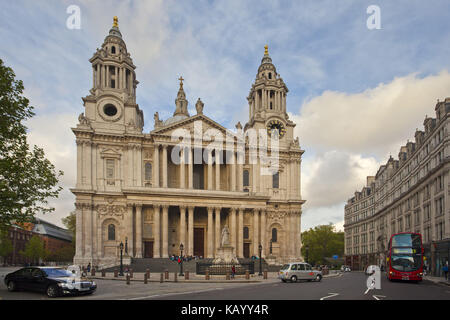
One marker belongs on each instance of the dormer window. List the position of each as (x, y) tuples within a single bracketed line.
[(113, 50)]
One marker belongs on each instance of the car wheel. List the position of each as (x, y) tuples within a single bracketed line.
[(318, 278), (11, 286), (52, 291), (293, 279)]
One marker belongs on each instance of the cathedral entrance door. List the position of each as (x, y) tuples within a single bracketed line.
[(199, 242), (246, 250), (148, 249)]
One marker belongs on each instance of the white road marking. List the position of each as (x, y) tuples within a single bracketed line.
[(378, 297), (172, 293), (330, 295)]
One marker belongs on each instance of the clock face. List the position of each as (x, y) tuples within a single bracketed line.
[(276, 125)]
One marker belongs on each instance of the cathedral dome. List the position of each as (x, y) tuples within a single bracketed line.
[(174, 119)]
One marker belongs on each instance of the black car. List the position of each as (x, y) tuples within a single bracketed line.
[(52, 281)]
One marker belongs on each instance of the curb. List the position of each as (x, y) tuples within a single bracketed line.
[(180, 281)]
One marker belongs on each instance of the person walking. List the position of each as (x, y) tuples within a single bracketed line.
[(233, 271), (445, 269)]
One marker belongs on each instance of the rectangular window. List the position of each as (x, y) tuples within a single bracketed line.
[(110, 169), (276, 180)]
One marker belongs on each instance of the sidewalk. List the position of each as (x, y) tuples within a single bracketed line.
[(194, 278), (438, 280)]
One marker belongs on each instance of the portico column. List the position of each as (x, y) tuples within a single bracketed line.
[(217, 159), (255, 232), (183, 225), (287, 236), (156, 166), (182, 170), (138, 231), (263, 233), (191, 231), (293, 230), (233, 171), (217, 233), (210, 180), (156, 231), (130, 230), (164, 166), (240, 172), (165, 231), (191, 170), (79, 230), (233, 229), (255, 172), (210, 233), (240, 233)]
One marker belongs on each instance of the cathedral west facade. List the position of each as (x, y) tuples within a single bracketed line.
[(152, 191)]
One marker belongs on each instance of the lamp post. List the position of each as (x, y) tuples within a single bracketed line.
[(260, 262), (181, 259), (121, 258)]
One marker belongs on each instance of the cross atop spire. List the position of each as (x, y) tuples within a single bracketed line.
[(181, 81)]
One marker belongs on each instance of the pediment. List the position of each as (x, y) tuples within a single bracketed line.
[(200, 121), (110, 153)]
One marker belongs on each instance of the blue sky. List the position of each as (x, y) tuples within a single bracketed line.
[(352, 90)]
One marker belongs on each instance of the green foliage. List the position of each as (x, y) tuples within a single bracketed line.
[(63, 254), (27, 178), (322, 242), (6, 246), (70, 222), (35, 250)]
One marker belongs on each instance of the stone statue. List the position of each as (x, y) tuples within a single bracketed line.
[(225, 237), (83, 120), (239, 126), (199, 106), (157, 121)]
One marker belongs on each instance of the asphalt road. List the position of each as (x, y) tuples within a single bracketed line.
[(349, 286)]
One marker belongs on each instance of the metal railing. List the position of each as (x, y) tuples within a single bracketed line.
[(223, 268)]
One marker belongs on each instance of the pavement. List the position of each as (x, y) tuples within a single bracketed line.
[(437, 280)]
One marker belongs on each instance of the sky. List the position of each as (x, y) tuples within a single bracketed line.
[(356, 93)]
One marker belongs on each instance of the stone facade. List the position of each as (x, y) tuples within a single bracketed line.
[(130, 189), (410, 194)]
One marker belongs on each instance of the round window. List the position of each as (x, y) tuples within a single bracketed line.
[(110, 110)]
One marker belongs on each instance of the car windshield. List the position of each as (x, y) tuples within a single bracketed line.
[(285, 267), (57, 273)]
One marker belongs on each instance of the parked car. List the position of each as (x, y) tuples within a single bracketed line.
[(295, 271), (51, 280), (345, 268)]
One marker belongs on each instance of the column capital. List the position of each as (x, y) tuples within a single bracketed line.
[(191, 208), (156, 205), (182, 207), (138, 205), (210, 209), (217, 209), (165, 205)]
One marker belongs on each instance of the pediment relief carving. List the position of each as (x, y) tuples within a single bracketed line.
[(110, 210), (110, 153)]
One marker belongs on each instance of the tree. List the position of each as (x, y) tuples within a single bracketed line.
[(35, 250), (27, 178), (6, 246), (63, 254), (322, 242), (70, 222)]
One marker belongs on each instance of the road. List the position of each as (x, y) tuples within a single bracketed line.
[(349, 286)]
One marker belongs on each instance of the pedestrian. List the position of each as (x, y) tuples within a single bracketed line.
[(88, 267), (233, 271), (445, 269)]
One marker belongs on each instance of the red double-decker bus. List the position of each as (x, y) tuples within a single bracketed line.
[(405, 257)]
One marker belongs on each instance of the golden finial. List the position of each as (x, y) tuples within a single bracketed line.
[(116, 22), (266, 50), (181, 81)]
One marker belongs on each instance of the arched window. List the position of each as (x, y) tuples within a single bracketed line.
[(246, 178), (113, 50), (274, 234), (111, 232), (270, 75), (276, 180), (246, 236), (148, 171)]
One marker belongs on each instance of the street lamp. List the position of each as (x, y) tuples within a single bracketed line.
[(260, 262), (181, 259), (121, 258)]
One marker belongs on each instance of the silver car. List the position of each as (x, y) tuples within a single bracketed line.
[(298, 271)]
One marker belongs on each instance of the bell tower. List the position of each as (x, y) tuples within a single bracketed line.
[(111, 105)]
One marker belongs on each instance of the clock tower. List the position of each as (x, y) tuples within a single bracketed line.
[(267, 102)]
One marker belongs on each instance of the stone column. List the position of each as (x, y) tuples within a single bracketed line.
[(217, 158), (164, 166), (210, 180), (165, 231), (130, 165), (79, 230), (139, 165), (255, 232), (292, 234), (107, 77), (183, 225), (156, 166), (210, 233), (156, 231), (233, 229), (240, 233), (182, 169), (288, 178), (299, 234), (191, 231), (139, 231), (191, 170), (79, 163), (233, 171), (130, 230), (255, 174), (265, 249), (240, 172), (287, 253), (217, 233), (88, 160)]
